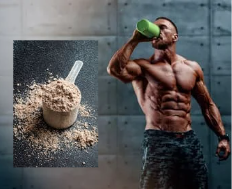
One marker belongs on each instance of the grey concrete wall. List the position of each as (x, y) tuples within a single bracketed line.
[(205, 29)]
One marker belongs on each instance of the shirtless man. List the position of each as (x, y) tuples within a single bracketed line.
[(163, 85)]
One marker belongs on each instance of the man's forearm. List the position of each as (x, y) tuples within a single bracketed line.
[(213, 119), (120, 59)]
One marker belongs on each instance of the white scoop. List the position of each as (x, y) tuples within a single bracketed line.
[(62, 120), (74, 71)]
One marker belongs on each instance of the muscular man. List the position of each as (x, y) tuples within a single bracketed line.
[(163, 85)]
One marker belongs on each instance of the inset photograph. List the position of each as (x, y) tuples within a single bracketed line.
[(55, 103)]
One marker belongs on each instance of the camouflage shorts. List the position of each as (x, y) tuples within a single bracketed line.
[(172, 161)]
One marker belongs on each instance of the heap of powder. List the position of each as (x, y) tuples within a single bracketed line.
[(30, 126), (61, 96)]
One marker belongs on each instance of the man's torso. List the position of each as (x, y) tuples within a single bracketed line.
[(164, 94)]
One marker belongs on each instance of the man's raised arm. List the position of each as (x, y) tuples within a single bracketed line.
[(120, 65)]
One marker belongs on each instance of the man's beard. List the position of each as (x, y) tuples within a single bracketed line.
[(161, 45)]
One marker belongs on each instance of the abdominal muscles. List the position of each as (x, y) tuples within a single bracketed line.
[(167, 110)]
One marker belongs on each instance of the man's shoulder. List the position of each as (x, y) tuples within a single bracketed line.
[(191, 63), (195, 66)]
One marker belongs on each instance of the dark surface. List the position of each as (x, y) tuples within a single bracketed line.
[(31, 61)]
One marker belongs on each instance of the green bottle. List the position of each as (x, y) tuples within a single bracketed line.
[(148, 28)]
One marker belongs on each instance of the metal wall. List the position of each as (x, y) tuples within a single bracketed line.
[(204, 28)]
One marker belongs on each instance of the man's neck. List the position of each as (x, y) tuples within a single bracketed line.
[(168, 55)]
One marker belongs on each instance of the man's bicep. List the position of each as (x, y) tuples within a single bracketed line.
[(130, 72), (200, 91), (133, 69), (201, 94)]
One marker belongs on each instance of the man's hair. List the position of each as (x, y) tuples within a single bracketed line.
[(165, 18)]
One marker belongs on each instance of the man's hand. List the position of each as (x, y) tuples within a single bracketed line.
[(224, 148), (138, 37)]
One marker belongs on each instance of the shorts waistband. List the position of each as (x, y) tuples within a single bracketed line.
[(153, 132)]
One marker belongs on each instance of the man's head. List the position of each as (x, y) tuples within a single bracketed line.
[(168, 33)]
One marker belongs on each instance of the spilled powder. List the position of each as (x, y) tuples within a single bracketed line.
[(29, 125)]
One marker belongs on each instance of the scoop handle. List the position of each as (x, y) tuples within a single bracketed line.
[(74, 71)]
